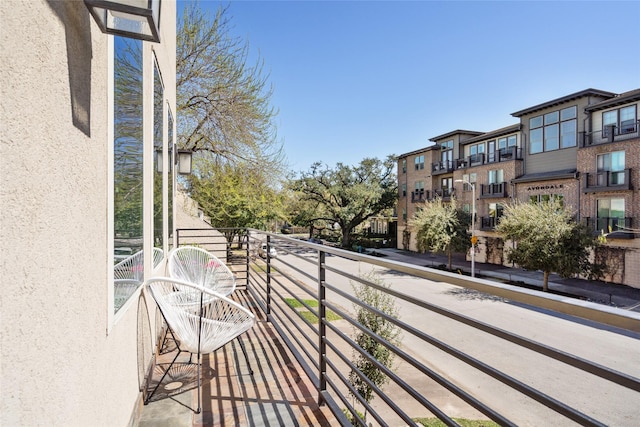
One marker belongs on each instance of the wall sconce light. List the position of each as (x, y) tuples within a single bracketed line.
[(159, 159), (136, 19), (183, 160)]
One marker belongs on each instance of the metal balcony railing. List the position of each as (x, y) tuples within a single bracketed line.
[(616, 227), (611, 133), (501, 155), (607, 181), (489, 222), (419, 196), (493, 190), (307, 294), (442, 167), (443, 193)]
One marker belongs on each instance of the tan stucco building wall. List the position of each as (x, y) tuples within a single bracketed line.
[(66, 360)]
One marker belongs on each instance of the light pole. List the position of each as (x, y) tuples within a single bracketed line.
[(473, 226)]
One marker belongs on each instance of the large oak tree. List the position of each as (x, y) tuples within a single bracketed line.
[(347, 195)]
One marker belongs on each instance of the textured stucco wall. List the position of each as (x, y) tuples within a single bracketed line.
[(62, 363)]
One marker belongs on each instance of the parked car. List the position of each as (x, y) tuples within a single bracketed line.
[(263, 251), (315, 240)]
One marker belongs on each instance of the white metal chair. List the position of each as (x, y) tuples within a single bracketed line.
[(200, 320), (196, 265)]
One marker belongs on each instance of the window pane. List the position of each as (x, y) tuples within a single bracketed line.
[(628, 113), (127, 164), (170, 143), (568, 134), (617, 208), (512, 141), (535, 122), (551, 117), (502, 143), (617, 161), (568, 113), (551, 140), (158, 103), (536, 140), (610, 118)]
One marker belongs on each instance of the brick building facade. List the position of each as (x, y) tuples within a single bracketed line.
[(583, 147)]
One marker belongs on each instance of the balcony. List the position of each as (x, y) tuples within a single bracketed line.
[(443, 193), (610, 134), (419, 196), (615, 228), (448, 364), (488, 223), (497, 156), (607, 181), (440, 168), (493, 190)]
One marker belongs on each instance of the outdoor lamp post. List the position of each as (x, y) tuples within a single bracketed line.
[(474, 239), (136, 19)]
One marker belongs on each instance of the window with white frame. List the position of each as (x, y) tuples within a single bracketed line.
[(404, 214), (404, 165), (554, 130), (419, 185), (128, 148), (404, 190), (611, 164), (419, 162), (623, 119)]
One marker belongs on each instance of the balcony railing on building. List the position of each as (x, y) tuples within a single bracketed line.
[(607, 181), (419, 196), (501, 155), (489, 222), (443, 193), (439, 168), (613, 227), (319, 280), (493, 190), (611, 133)]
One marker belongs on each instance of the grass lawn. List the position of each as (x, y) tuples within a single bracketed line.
[(308, 315)]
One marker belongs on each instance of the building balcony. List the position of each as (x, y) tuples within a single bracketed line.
[(440, 168), (308, 348), (607, 181), (497, 156), (419, 196), (488, 223), (615, 228), (443, 193), (493, 190), (610, 134)]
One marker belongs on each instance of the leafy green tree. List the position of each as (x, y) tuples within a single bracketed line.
[(347, 195), (384, 328), (235, 195), (548, 239), (223, 102), (442, 227)]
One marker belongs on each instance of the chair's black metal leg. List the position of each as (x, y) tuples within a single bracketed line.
[(246, 356), (198, 371), (161, 379)]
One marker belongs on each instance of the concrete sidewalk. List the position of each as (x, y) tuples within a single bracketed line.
[(597, 291)]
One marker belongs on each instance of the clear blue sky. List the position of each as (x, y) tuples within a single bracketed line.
[(372, 78)]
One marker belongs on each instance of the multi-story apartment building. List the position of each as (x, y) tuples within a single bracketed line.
[(583, 148)]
